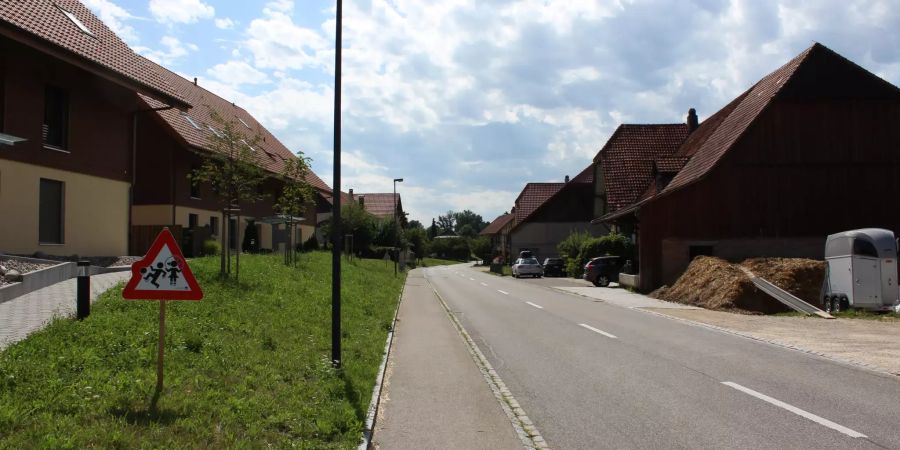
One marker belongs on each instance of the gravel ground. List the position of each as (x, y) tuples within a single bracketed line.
[(873, 342), (101, 261), (21, 266)]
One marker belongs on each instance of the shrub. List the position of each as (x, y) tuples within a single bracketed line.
[(211, 247), (614, 244), (311, 244), (569, 249)]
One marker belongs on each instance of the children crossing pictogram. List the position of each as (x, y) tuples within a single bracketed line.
[(163, 274)]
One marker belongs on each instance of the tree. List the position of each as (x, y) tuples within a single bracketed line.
[(415, 224), (355, 221), (432, 230), (231, 169), (467, 217), (446, 222), (467, 231), (418, 241), (295, 194), (481, 248)]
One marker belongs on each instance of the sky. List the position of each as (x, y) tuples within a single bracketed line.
[(468, 100)]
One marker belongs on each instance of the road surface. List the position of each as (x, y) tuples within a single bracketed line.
[(593, 375)]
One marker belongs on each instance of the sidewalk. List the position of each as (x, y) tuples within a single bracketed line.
[(434, 396), (24, 315)]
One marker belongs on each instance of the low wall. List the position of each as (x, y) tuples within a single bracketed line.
[(632, 281), (38, 279)]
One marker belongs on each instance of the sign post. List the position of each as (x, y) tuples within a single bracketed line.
[(162, 275)]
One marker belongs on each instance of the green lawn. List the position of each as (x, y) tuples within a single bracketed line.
[(247, 367), (431, 262)]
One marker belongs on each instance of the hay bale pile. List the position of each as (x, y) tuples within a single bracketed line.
[(714, 283)]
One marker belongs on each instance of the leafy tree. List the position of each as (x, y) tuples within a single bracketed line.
[(418, 240), (355, 221), (387, 234), (415, 224), (432, 230), (481, 248), (467, 217), (446, 222), (231, 169), (467, 231), (296, 193)]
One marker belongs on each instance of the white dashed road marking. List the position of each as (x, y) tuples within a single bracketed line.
[(611, 336), (535, 305), (808, 415), (484, 284), (503, 292), (471, 278)]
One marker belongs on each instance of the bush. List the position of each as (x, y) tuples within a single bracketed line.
[(211, 247), (569, 249), (613, 244), (481, 248), (311, 244), (454, 248), (251, 238)]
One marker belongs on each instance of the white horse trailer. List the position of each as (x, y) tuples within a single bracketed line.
[(862, 270)]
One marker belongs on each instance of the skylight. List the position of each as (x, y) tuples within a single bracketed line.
[(248, 145), (191, 121), (245, 123), (81, 26), (215, 131)]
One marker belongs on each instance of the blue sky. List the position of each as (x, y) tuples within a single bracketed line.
[(468, 100)]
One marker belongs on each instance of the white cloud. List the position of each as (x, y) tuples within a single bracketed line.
[(115, 17), (285, 6), (174, 50), (180, 11), (276, 42), (236, 73), (224, 23)]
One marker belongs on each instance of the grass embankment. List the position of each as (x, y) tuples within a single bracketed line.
[(431, 262), (247, 367)]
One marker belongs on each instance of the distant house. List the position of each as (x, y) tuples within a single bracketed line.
[(498, 232), (545, 213), (69, 87), (172, 143), (381, 205), (809, 150)]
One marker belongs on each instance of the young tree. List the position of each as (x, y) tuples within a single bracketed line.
[(231, 169), (295, 194)]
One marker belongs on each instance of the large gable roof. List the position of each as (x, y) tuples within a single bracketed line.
[(44, 23), (533, 196), (628, 156), (271, 153), (380, 204), (497, 225)]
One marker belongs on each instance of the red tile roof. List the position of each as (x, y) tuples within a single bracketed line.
[(102, 49), (380, 204), (271, 153), (627, 159), (497, 225), (533, 196), (586, 176)]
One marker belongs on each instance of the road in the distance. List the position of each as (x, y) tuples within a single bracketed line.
[(593, 375)]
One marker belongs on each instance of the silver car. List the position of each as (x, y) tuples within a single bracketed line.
[(527, 266)]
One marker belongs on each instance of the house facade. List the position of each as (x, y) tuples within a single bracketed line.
[(498, 232), (68, 87), (809, 150)]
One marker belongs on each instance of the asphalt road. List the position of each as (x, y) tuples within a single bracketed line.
[(594, 375)]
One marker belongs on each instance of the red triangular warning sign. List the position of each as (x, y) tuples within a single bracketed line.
[(163, 274)]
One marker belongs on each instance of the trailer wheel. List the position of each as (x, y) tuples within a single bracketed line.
[(844, 303), (837, 304), (829, 304)]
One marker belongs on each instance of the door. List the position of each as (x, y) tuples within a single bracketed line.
[(866, 281), (889, 290)]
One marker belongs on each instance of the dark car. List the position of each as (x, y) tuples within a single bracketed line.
[(554, 267), (602, 270)]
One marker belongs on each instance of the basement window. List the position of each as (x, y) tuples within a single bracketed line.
[(78, 23)]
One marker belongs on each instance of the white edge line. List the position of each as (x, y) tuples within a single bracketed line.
[(484, 284), (808, 415), (611, 336), (503, 292), (535, 305), (470, 278)]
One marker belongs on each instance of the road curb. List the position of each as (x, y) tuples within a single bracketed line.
[(369, 427), (849, 362), (529, 435)]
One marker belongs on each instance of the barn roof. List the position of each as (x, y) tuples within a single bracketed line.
[(68, 30), (380, 204), (497, 225)]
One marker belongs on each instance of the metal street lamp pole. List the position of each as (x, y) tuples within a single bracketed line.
[(336, 233), (396, 226)]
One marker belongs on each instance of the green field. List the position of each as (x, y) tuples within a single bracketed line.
[(247, 367), (431, 262)]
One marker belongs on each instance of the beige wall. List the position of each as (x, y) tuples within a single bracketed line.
[(95, 211), (151, 215), (543, 237)]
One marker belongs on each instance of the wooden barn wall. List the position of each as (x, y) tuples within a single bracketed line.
[(804, 169)]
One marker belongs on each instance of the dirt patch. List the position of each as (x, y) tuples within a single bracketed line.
[(872, 342), (713, 283)]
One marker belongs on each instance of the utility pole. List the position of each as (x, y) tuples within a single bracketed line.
[(396, 227), (336, 234)]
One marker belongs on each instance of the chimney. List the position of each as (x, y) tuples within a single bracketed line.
[(195, 81), (692, 121), (567, 178), (351, 195)]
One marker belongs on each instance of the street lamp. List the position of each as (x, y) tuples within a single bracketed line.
[(336, 195), (396, 226)]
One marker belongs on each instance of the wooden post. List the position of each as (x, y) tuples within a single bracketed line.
[(162, 346)]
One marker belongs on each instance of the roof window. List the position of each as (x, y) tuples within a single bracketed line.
[(81, 26), (245, 123), (191, 121), (248, 145), (215, 131)]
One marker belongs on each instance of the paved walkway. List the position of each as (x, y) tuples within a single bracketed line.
[(435, 397), (622, 297), (24, 315)]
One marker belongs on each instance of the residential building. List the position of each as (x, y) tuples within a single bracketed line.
[(69, 87), (381, 205), (809, 150), (498, 232)]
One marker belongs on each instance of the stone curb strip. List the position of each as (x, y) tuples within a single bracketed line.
[(849, 362), (529, 435), (369, 427)]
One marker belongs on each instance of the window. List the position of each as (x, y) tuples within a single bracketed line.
[(195, 184), (864, 248), (214, 225), (190, 121), (244, 123), (215, 131), (192, 220), (56, 117), (51, 214), (81, 26)]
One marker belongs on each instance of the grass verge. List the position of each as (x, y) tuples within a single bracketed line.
[(247, 367), (431, 262)]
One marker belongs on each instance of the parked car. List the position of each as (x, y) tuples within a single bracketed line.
[(527, 266), (602, 270), (526, 254), (555, 267)]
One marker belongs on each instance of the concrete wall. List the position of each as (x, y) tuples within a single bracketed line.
[(543, 237), (95, 212), (676, 252)]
